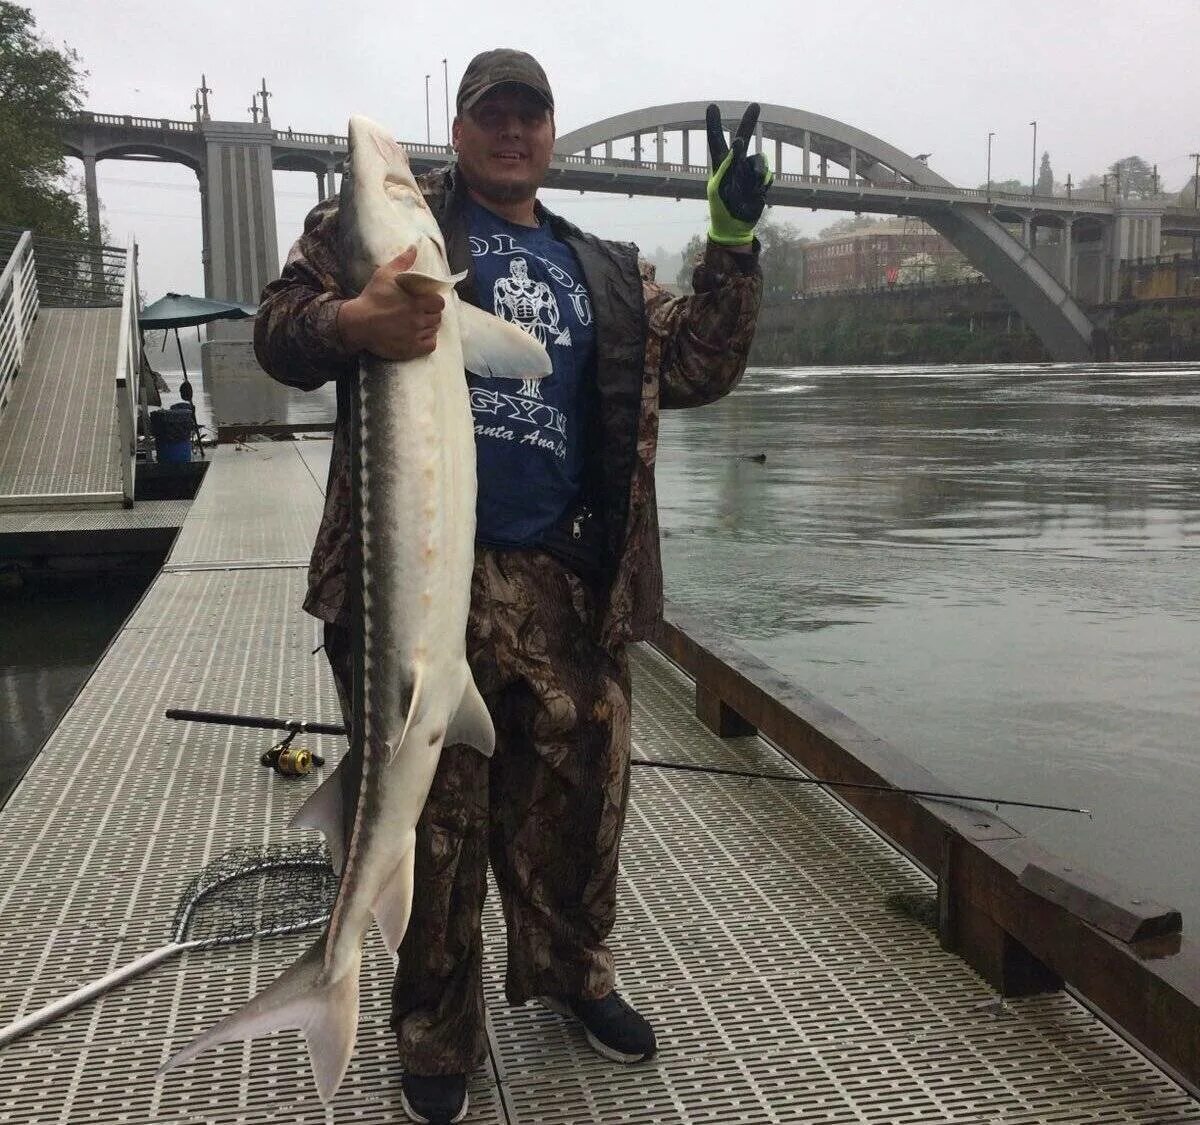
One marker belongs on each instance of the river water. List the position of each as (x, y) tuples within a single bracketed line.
[(995, 568)]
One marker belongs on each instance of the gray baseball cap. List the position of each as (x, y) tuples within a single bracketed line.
[(494, 68)]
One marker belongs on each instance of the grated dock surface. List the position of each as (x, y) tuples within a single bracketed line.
[(767, 932), (59, 433)]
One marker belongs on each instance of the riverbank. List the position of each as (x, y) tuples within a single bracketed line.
[(953, 324)]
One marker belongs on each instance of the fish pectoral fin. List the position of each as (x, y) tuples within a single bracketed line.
[(393, 905), (498, 349), (415, 702), (323, 810), (325, 1011), (417, 282), (471, 724)]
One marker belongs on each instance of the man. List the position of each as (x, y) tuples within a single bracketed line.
[(567, 567)]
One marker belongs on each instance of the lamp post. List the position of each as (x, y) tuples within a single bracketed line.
[(1033, 165), (428, 138), (446, 82), (989, 178)]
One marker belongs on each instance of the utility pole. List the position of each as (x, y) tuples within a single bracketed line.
[(446, 80), (1195, 201), (989, 179), (428, 137), (1033, 164)]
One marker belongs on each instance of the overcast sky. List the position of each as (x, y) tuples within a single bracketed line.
[(1103, 79)]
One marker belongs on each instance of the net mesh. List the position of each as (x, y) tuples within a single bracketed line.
[(247, 893)]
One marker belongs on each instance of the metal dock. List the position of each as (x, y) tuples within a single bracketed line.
[(788, 955)]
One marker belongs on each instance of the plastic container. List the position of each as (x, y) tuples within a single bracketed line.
[(172, 430)]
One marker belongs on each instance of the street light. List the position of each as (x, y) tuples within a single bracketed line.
[(1033, 166), (428, 138), (446, 82), (989, 179)]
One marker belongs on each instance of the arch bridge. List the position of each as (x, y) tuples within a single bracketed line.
[(234, 162)]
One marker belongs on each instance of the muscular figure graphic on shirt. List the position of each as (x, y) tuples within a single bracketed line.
[(530, 304)]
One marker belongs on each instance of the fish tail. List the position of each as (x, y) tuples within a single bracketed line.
[(325, 1010)]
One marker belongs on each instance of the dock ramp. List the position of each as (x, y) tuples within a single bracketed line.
[(68, 375)]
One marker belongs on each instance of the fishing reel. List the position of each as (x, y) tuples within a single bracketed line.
[(291, 761)]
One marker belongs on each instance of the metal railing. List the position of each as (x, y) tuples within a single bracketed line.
[(128, 375), (18, 310), (127, 121), (79, 274)]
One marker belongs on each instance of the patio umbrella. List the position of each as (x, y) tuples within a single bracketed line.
[(179, 310)]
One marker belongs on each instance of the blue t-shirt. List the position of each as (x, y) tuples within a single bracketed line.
[(529, 436)]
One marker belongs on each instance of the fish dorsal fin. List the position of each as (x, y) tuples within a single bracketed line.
[(472, 725), (418, 282), (498, 349)]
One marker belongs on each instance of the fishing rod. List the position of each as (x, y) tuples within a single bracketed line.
[(334, 729), (929, 793), (283, 757)]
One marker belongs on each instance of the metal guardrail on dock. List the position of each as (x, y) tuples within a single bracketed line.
[(18, 309)]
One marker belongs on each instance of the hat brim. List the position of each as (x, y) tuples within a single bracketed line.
[(474, 99)]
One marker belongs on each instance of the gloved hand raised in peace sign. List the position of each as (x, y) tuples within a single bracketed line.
[(737, 188)]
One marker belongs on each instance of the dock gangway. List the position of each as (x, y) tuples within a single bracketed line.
[(69, 370)]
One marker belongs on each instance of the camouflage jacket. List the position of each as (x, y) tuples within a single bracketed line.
[(653, 350)]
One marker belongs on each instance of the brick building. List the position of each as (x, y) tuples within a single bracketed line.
[(899, 251)]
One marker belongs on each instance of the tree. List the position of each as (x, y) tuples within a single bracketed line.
[(40, 87), (1135, 176), (782, 257), (1045, 180), (1008, 187), (848, 225), (1188, 194), (690, 254)]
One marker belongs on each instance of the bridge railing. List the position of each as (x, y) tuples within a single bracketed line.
[(127, 374), (18, 310), (128, 121)]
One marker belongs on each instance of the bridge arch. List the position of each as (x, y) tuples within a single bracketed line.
[(141, 148), (1041, 299)]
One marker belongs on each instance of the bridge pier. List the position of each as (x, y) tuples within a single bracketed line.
[(92, 192), (240, 214)]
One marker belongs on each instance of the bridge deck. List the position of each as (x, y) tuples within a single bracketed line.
[(769, 934), (59, 433)]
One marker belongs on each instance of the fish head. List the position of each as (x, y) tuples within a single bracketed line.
[(382, 211)]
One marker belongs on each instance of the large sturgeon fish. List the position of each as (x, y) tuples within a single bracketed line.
[(414, 691)]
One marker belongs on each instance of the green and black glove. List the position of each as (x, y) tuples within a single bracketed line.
[(737, 188)]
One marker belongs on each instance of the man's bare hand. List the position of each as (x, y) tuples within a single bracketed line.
[(389, 319)]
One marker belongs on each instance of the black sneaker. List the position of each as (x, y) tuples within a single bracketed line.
[(440, 1099), (613, 1028)]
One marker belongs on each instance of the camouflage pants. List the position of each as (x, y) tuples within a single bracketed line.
[(547, 810)]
